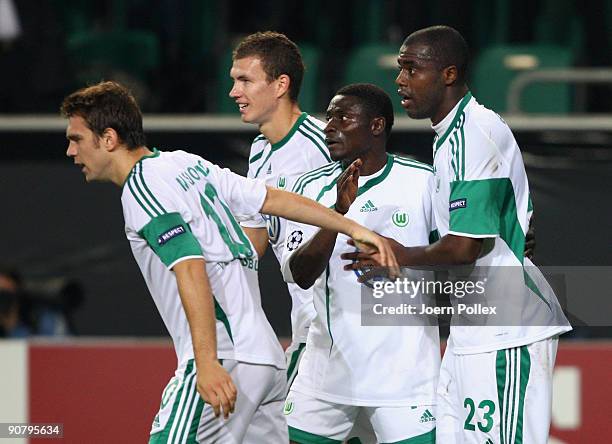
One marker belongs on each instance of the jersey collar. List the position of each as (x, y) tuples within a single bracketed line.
[(446, 125), (291, 132), (376, 178), (154, 154)]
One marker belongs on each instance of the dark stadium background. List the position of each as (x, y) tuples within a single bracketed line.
[(174, 54)]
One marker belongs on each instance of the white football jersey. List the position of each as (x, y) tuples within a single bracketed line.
[(178, 206), (481, 191), (346, 362), (280, 164)]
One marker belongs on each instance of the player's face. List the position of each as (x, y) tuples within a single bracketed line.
[(254, 94), (420, 81), (85, 150), (348, 129)]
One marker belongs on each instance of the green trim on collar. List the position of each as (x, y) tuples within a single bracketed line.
[(450, 128), (153, 155), (291, 132), (378, 179), (278, 145)]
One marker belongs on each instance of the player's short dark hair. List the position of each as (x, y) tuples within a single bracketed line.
[(447, 46), (278, 55), (107, 105), (374, 100)]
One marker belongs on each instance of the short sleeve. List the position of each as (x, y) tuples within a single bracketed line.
[(244, 196), (296, 234), (153, 212), (481, 189)]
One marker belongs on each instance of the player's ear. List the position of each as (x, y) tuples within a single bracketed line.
[(450, 75), (110, 139), (377, 125), (283, 82)]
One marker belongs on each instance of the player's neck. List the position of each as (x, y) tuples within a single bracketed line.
[(452, 97), (281, 122), (125, 161), (373, 162)]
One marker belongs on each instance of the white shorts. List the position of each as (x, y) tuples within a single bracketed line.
[(313, 420), (499, 397), (258, 416)]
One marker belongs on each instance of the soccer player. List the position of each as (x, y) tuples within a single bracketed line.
[(495, 380), (267, 71), (387, 374), (181, 216)]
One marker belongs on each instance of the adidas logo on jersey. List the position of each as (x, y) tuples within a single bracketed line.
[(427, 417), (368, 206), (269, 169)]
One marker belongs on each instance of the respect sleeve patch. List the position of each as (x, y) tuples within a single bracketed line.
[(171, 238)]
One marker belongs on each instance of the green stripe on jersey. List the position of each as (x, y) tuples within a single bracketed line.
[(142, 194), (222, 317), (148, 191), (136, 194), (278, 145), (412, 163), (378, 179), (366, 186), (294, 360), (327, 303), (319, 141), (289, 135), (490, 210), (256, 157), (453, 124), (305, 179), (170, 238), (316, 143), (533, 287)]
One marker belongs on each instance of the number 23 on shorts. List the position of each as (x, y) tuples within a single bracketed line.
[(488, 408)]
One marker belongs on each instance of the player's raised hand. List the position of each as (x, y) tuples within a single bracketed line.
[(216, 388), (347, 186)]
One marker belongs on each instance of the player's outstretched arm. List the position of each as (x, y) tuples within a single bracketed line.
[(449, 250), (259, 238), (301, 209), (214, 384)]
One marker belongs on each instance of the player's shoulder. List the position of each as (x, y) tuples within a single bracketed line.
[(257, 148), (411, 166), (481, 121), (314, 177), (309, 137), (147, 182)]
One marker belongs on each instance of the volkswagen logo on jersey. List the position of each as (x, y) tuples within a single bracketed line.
[(400, 218), (294, 240), (273, 224)]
